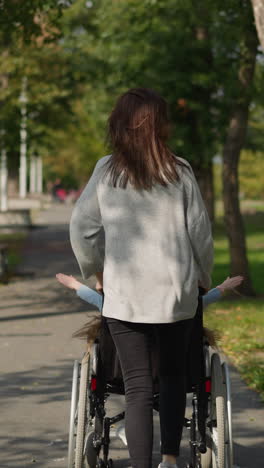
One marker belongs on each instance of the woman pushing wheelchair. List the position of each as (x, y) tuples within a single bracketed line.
[(141, 226)]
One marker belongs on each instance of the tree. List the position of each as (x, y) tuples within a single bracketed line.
[(235, 139), (64, 120), (22, 23), (168, 45), (201, 57)]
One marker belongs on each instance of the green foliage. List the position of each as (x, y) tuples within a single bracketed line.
[(218, 186), (187, 52), (255, 240), (77, 64), (78, 150), (26, 18), (251, 179), (251, 175), (255, 134), (63, 129), (157, 45), (27, 37)]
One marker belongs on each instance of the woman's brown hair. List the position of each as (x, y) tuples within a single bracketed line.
[(138, 133)]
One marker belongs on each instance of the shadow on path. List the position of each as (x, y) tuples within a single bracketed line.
[(26, 451), (44, 314), (48, 383)]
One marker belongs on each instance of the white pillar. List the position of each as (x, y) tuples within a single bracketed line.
[(23, 141), (33, 174), (39, 175), (3, 182)]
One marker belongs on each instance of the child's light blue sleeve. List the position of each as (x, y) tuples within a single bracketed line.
[(91, 296), (212, 296)]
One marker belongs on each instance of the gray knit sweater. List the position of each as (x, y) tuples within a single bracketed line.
[(153, 246)]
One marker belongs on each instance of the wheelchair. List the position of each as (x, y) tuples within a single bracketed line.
[(98, 375)]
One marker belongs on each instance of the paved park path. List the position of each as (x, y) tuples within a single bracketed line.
[(37, 317)]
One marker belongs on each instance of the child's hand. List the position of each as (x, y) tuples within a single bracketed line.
[(68, 281), (230, 283)]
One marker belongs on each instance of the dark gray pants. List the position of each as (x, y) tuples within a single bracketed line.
[(133, 344)]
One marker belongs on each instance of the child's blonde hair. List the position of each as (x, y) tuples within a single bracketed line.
[(212, 336), (90, 332)]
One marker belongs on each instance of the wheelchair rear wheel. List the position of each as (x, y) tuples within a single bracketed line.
[(228, 417), (206, 458), (83, 411), (217, 414), (216, 456), (73, 415)]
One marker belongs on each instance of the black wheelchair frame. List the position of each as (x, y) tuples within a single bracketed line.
[(210, 424)]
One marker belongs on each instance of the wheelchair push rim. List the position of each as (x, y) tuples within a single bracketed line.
[(80, 413), (83, 411), (228, 416), (217, 414), (73, 415)]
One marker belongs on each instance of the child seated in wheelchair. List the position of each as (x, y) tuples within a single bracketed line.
[(95, 298), (90, 331)]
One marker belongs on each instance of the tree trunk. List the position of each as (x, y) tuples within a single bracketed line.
[(204, 171), (206, 183), (258, 8), (235, 139)]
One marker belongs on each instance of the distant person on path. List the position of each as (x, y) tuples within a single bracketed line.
[(141, 226), (58, 192)]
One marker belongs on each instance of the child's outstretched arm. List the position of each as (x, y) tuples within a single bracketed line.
[(215, 294), (84, 292), (230, 283), (69, 281)]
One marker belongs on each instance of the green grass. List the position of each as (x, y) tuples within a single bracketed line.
[(241, 322), (240, 325), (255, 245)]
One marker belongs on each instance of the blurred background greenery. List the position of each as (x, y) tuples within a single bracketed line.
[(203, 57)]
